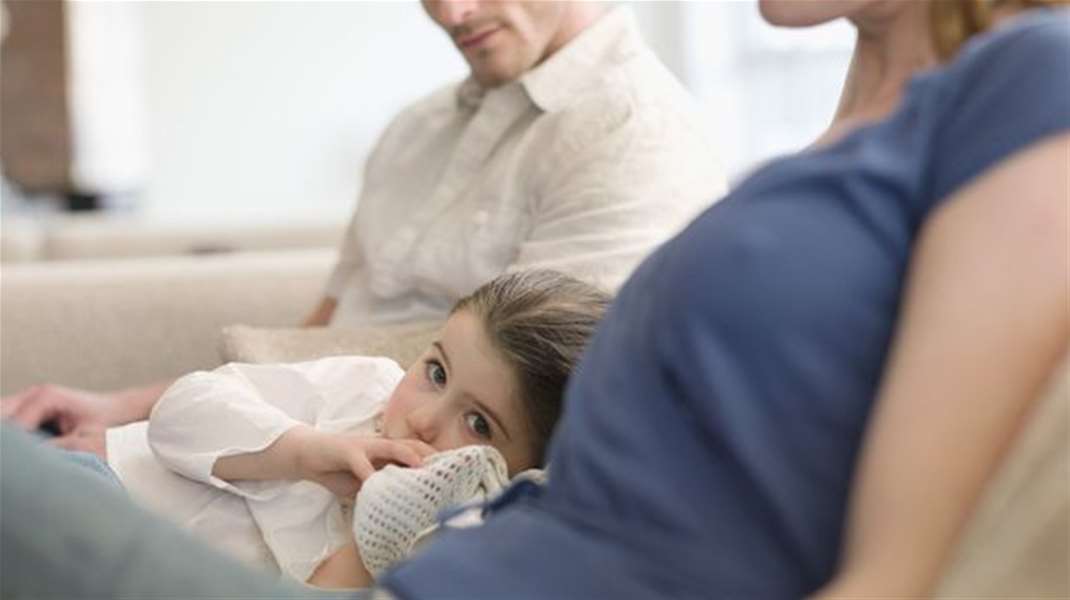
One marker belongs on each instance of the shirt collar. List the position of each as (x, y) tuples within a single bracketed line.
[(552, 84), (470, 94)]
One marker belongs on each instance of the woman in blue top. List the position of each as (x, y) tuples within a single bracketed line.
[(913, 269), (916, 267)]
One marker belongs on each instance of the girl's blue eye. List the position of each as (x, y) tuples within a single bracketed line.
[(478, 424), (435, 373)]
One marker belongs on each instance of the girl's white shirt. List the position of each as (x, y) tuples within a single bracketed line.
[(282, 526)]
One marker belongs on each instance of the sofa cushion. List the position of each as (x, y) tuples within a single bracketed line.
[(403, 342)]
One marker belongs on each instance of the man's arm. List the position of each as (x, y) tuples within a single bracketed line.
[(350, 259), (80, 417), (321, 316), (983, 325)]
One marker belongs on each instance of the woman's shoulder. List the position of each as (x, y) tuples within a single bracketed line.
[(1006, 90), (1038, 30), (1034, 45)]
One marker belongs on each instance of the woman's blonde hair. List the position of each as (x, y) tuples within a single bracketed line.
[(956, 21)]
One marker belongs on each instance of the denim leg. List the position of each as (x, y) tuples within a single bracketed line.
[(94, 464), (65, 533)]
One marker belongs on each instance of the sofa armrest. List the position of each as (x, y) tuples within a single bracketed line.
[(109, 324)]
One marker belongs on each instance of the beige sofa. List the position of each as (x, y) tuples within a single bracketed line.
[(106, 324), (132, 235)]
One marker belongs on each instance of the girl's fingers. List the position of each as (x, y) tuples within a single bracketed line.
[(363, 458), (360, 465), (422, 448), (342, 484), (395, 451)]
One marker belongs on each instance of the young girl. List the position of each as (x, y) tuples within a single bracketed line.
[(272, 455)]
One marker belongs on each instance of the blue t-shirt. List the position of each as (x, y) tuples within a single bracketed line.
[(711, 432)]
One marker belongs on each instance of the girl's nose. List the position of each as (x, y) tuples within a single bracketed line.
[(423, 422)]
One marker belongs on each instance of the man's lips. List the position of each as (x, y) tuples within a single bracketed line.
[(472, 41)]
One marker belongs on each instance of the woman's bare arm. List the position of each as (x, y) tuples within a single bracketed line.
[(984, 322)]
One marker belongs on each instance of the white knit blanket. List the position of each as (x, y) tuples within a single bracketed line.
[(397, 507)]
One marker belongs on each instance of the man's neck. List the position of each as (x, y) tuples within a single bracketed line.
[(577, 19)]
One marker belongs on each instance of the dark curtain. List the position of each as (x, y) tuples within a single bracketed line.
[(35, 129)]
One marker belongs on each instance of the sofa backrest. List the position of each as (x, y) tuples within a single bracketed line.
[(114, 323), (89, 237), (1016, 543)]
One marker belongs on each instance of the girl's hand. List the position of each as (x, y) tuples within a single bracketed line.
[(342, 461)]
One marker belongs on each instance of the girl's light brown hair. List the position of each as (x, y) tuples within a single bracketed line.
[(540, 321), (956, 21)]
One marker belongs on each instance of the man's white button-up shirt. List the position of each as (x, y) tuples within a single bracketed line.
[(584, 164)]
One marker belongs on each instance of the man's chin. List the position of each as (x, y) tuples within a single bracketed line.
[(490, 76)]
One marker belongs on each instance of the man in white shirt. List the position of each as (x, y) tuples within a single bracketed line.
[(570, 146)]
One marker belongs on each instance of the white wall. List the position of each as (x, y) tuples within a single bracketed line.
[(107, 96), (772, 90), (264, 109), (268, 109)]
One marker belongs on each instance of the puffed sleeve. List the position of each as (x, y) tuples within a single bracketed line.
[(244, 408)]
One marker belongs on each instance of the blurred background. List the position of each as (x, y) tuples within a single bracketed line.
[(243, 112)]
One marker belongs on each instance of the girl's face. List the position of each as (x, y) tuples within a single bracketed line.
[(462, 393)]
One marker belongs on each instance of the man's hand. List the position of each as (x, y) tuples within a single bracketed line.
[(78, 417), (63, 408), (342, 461), (87, 438), (321, 315)]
